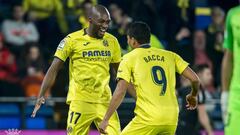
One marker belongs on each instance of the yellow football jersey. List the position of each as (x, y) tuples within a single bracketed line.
[(89, 63), (152, 71)]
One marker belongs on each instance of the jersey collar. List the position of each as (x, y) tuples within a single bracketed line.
[(144, 45)]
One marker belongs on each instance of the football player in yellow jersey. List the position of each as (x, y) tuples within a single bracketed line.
[(152, 72), (91, 51)]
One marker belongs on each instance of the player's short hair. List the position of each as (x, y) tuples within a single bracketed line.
[(199, 68), (139, 31)]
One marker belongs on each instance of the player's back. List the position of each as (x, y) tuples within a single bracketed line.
[(153, 74)]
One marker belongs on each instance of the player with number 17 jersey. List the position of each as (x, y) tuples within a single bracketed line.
[(154, 76)]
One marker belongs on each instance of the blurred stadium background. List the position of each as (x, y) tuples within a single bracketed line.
[(32, 29)]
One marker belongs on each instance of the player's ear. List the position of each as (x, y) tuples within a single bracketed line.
[(135, 41), (90, 19)]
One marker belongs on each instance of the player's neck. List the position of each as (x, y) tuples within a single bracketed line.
[(90, 32), (146, 45)]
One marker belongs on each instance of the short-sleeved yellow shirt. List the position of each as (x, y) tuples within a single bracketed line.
[(89, 63), (153, 73)]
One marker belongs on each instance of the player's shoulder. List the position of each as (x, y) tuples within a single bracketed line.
[(234, 10), (109, 36), (168, 54), (130, 54), (76, 34), (163, 52), (133, 54)]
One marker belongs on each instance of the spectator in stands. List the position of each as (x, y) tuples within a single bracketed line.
[(215, 40), (116, 14), (32, 60), (83, 18), (33, 66), (76, 11), (48, 16), (115, 28), (180, 35), (182, 44), (7, 62), (201, 56), (40, 11), (8, 69), (120, 22), (217, 24), (199, 43), (17, 31), (188, 120)]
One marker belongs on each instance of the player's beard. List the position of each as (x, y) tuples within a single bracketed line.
[(96, 31)]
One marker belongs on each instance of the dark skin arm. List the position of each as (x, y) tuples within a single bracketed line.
[(131, 91), (116, 100), (195, 82), (227, 69), (47, 83)]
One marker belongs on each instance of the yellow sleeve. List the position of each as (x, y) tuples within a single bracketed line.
[(25, 5), (180, 64), (60, 16), (124, 70), (64, 49), (117, 52)]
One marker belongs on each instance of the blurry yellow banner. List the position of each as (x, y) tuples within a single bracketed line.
[(203, 11)]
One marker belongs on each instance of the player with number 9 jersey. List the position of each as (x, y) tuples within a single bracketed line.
[(153, 71)]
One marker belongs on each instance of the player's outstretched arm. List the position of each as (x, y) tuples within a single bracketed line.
[(47, 83), (191, 98), (227, 66), (116, 100)]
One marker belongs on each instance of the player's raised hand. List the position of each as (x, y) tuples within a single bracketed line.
[(192, 102), (102, 127), (38, 104)]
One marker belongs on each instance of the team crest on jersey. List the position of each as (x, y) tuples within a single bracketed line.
[(69, 130), (61, 44), (105, 42)]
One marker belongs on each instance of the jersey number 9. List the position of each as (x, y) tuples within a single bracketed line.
[(159, 79)]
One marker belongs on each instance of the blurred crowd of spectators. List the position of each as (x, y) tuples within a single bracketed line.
[(30, 31)]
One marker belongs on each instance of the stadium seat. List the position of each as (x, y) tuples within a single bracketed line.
[(35, 123), (7, 122), (10, 116), (9, 109)]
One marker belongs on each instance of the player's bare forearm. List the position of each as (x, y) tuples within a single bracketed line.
[(50, 76), (195, 88), (203, 118), (47, 83), (131, 90), (195, 82), (117, 98), (227, 66)]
